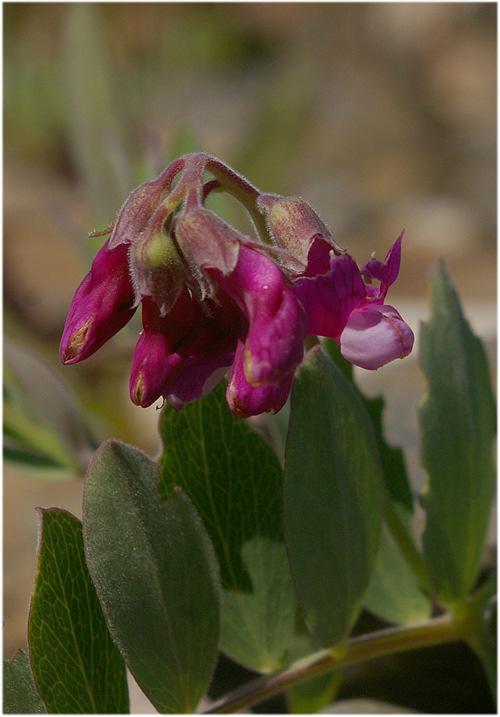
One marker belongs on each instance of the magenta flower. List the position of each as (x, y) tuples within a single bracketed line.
[(340, 305), (340, 301), (210, 297), (214, 299)]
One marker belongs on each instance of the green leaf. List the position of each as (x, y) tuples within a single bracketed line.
[(394, 593), (258, 625), (76, 667), (156, 577), (458, 427), (392, 459), (235, 481), (332, 497), (42, 422), (19, 691)]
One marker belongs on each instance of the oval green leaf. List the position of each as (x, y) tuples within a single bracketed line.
[(458, 426), (19, 691), (235, 481), (76, 667), (156, 577), (332, 497)]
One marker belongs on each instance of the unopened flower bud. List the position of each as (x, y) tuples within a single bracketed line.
[(295, 226), (156, 270), (102, 305)]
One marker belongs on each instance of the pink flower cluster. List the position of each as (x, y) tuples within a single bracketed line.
[(213, 298)]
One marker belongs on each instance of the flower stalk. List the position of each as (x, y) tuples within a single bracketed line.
[(359, 649), (242, 190)]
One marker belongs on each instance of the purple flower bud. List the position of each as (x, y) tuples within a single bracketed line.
[(246, 400), (294, 225), (101, 306)]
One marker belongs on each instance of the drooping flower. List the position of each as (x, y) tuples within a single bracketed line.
[(339, 299), (211, 298), (214, 299)]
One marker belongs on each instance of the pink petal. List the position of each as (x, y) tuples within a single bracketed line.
[(156, 355), (375, 335), (319, 257), (276, 327), (207, 351), (387, 271), (246, 400), (328, 299), (101, 306), (197, 376)]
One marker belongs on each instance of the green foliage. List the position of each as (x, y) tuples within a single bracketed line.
[(155, 574), (458, 425), (235, 481), (392, 459), (76, 667), (19, 691), (394, 593), (43, 427), (332, 498)]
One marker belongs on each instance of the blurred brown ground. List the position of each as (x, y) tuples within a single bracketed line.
[(382, 115)]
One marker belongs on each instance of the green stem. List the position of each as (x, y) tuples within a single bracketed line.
[(405, 542), (358, 649)]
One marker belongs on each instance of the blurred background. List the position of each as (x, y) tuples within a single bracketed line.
[(382, 116)]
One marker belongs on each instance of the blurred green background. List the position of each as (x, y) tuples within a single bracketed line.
[(383, 116)]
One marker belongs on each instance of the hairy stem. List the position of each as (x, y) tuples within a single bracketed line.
[(242, 190), (358, 649)]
